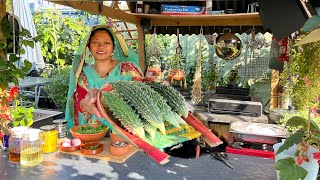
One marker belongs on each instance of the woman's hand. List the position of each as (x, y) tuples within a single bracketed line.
[(88, 104)]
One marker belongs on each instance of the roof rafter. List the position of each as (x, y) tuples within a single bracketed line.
[(98, 8)]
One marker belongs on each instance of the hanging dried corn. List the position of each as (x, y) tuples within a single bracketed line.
[(196, 93)]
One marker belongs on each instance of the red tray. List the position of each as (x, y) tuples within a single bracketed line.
[(251, 152)]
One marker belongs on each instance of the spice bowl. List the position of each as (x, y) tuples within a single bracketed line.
[(69, 149), (119, 148), (114, 137), (91, 148)]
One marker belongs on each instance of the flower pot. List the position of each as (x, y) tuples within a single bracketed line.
[(154, 72), (312, 167), (176, 74)]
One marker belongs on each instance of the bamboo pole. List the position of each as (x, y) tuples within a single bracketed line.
[(141, 49), (274, 89)]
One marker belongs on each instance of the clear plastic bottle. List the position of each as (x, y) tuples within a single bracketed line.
[(14, 143), (31, 147), (209, 7)]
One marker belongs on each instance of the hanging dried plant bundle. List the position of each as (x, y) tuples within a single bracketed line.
[(196, 93)]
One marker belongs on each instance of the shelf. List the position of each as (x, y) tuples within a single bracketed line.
[(240, 19)]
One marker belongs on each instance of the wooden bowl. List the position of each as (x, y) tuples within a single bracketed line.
[(69, 149), (87, 138), (119, 150), (84, 148)]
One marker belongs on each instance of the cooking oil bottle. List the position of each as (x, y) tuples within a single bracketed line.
[(31, 146)]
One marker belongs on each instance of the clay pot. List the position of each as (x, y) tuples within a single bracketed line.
[(69, 149), (154, 72), (176, 74), (87, 138), (119, 150), (84, 150), (114, 138)]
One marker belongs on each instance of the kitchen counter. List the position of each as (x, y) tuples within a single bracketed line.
[(65, 166)]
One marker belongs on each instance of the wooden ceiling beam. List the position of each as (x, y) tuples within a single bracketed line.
[(240, 19), (98, 8)]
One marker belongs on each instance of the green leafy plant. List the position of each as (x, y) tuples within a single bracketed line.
[(307, 135), (57, 89), (301, 76), (9, 72), (60, 36), (15, 114)]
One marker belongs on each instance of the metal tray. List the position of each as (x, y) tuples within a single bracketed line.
[(257, 132)]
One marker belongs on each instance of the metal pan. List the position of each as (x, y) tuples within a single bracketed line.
[(257, 132)]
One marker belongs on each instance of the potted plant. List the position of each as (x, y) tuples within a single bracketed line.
[(11, 113), (301, 79), (297, 156)]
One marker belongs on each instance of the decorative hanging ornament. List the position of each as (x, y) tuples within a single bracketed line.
[(283, 50), (228, 46)]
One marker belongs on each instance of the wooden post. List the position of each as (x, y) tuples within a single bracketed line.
[(141, 48), (274, 89), (2, 38)]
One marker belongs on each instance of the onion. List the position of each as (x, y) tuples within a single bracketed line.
[(76, 142), (66, 144)]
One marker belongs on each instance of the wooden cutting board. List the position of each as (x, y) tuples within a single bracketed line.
[(105, 154)]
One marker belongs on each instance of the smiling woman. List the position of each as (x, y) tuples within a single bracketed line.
[(88, 79)]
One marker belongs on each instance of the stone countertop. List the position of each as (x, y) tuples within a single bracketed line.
[(65, 166)]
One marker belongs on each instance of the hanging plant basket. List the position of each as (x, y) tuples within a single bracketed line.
[(176, 74)]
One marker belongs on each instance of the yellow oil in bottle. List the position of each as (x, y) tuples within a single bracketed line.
[(31, 156)]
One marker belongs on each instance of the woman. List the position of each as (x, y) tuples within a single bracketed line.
[(86, 79)]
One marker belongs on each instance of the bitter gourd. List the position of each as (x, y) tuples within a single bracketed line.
[(174, 99), (141, 102), (125, 114), (165, 110)]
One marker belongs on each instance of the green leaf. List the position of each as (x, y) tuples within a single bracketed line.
[(291, 141), (2, 45), (311, 23), (289, 170), (297, 121), (13, 58)]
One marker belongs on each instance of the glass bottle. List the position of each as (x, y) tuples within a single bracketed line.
[(61, 126), (31, 147), (50, 138), (14, 143)]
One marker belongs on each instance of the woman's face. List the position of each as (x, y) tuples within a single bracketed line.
[(101, 46)]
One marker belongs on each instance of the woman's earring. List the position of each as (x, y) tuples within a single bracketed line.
[(90, 55)]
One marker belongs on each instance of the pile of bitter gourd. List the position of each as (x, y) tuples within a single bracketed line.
[(143, 108)]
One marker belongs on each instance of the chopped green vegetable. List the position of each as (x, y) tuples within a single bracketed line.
[(86, 129), (92, 147)]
